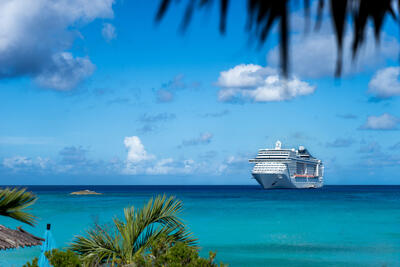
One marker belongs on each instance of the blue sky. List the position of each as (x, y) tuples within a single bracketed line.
[(99, 94)]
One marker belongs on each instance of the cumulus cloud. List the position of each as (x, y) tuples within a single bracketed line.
[(17, 162), (65, 72), (22, 163), (136, 151), (108, 32), (244, 76), (315, 55), (203, 139), (35, 36), (234, 163), (137, 156), (385, 83), (170, 166), (71, 160), (259, 84), (138, 161), (383, 122)]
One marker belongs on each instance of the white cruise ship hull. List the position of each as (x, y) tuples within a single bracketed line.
[(280, 180), (287, 168)]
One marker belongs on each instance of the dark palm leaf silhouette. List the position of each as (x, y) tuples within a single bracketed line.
[(263, 14)]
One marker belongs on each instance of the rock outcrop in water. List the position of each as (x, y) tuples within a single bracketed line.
[(85, 192)]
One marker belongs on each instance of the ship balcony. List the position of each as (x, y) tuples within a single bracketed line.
[(271, 170)]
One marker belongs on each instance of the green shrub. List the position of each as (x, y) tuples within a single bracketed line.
[(60, 258), (33, 263), (164, 253)]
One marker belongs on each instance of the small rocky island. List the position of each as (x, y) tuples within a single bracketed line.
[(85, 192)]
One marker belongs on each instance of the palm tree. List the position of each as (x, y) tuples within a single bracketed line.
[(122, 242), (13, 202), (263, 14)]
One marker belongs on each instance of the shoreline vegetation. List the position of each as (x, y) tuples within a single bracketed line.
[(151, 236), (85, 192)]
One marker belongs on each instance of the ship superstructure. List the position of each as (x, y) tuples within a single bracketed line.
[(287, 168)]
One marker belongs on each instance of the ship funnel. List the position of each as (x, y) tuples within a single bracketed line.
[(278, 145)]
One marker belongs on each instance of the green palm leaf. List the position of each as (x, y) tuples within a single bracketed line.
[(134, 234), (14, 202)]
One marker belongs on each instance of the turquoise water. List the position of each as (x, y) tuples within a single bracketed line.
[(247, 226)]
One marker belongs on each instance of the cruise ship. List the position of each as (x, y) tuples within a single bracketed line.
[(287, 168)]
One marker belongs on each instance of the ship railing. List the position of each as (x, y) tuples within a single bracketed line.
[(305, 175)]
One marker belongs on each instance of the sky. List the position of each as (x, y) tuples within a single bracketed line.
[(96, 92)]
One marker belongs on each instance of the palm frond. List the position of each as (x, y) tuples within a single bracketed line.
[(100, 244), (262, 15), (135, 234), (14, 203)]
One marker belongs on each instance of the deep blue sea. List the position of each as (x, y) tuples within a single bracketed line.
[(245, 225)]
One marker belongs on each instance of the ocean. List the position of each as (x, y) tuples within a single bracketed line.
[(245, 225)]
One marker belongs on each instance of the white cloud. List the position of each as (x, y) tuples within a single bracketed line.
[(43, 163), (108, 32), (234, 163), (170, 166), (17, 162), (242, 76), (314, 56), (138, 161), (36, 34), (22, 163), (163, 166), (136, 151), (385, 83), (76, 160), (259, 84), (65, 72), (383, 122)]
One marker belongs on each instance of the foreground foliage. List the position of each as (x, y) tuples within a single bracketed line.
[(152, 236), (161, 254), (126, 240), (58, 258), (262, 15), (62, 258), (14, 202), (33, 263), (166, 253)]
